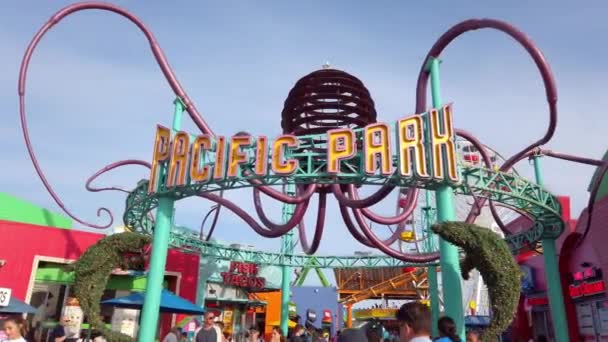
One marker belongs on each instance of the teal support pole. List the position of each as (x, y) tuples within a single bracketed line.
[(556, 298), (158, 259), (286, 249), (429, 218), (449, 262), (434, 292), (285, 294)]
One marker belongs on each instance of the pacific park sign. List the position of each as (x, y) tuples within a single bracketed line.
[(420, 146)]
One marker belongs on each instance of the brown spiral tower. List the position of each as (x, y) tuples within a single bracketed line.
[(326, 99), (323, 100)]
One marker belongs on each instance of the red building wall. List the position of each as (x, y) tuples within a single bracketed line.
[(21, 243), (536, 262)]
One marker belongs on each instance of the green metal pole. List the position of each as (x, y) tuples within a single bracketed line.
[(429, 218), (434, 292), (302, 277), (158, 259), (552, 276), (286, 249), (449, 262), (322, 278)]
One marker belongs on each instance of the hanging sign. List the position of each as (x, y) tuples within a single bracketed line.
[(5, 296), (293, 309), (404, 150), (587, 282), (311, 315), (326, 316), (587, 289), (537, 301), (245, 275)]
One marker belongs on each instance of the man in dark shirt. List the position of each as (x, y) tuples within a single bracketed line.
[(208, 333)]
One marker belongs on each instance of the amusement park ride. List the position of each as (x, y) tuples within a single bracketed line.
[(332, 145)]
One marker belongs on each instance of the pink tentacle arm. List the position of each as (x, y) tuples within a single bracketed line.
[(160, 58), (316, 240), (246, 217), (348, 222), (111, 167), (352, 228), (280, 196), (202, 228), (156, 51), (569, 157), (361, 203), (385, 247), (480, 202), (601, 173), (410, 205), (297, 216), (529, 46)]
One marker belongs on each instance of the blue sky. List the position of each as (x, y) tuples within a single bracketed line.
[(95, 93)]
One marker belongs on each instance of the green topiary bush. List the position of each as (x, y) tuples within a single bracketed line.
[(490, 255), (93, 270)]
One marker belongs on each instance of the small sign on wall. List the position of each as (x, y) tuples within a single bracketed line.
[(5, 296)]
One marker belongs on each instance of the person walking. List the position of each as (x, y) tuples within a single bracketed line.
[(209, 332), (414, 322), (447, 330)]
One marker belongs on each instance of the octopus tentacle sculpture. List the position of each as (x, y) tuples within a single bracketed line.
[(320, 101)]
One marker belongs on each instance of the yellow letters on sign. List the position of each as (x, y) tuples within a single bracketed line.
[(236, 155), (340, 146), (219, 171), (279, 166), (261, 156), (199, 173), (179, 160), (377, 144), (442, 142), (161, 154), (410, 140)]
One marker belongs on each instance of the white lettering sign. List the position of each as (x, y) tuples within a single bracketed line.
[(5, 296)]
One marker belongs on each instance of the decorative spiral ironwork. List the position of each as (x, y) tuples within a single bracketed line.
[(326, 99)]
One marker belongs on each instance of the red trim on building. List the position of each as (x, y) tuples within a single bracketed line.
[(565, 257)]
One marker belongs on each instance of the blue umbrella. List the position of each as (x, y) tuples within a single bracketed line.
[(16, 306), (169, 303)]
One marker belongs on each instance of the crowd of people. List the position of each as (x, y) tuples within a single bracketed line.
[(414, 321), (17, 329)]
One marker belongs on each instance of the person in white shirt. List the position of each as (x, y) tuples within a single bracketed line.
[(414, 322), (14, 328)]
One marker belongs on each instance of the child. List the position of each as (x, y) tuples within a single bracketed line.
[(14, 327)]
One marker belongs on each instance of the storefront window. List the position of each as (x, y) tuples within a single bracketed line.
[(49, 299), (602, 313), (586, 328)]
